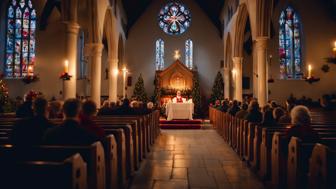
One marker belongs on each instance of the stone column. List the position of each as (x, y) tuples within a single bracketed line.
[(113, 79), (238, 77), (227, 82), (96, 69), (261, 46), (69, 86)]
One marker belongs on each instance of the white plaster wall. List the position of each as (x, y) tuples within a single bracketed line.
[(140, 46)]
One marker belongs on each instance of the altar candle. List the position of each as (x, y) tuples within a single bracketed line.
[(66, 66), (309, 71), (334, 49)]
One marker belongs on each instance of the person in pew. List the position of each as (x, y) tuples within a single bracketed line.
[(224, 105), (287, 118), (254, 115), (243, 112), (268, 120), (70, 131), (30, 131), (86, 118), (301, 125), (105, 109), (278, 113), (124, 109), (55, 111), (25, 110), (234, 108)]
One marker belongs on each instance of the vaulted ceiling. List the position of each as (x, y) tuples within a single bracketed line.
[(134, 9)]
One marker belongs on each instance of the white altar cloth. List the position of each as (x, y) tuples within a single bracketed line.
[(179, 110)]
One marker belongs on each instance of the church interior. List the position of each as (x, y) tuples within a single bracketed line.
[(174, 94)]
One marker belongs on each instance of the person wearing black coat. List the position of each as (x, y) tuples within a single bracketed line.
[(30, 131), (70, 132)]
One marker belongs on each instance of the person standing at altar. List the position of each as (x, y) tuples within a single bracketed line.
[(178, 98)]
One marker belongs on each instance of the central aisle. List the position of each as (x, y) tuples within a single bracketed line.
[(193, 159)]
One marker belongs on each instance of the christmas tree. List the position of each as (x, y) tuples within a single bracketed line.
[(196, 95), (217, 89), (4, 99), (139, 90)]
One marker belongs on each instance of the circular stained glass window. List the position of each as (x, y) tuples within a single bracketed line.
[(174, 18)]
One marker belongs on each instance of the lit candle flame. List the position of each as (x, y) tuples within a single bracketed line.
[(309, 71), (177, 55)]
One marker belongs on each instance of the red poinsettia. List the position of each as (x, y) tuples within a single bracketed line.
[(65, 76)]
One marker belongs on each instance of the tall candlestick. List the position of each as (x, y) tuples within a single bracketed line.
[(309, 71), (66, 66)]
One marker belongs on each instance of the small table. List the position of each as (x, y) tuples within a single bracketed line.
[(179, 111)]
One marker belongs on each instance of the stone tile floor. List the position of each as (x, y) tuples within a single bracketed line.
[(193, 159)]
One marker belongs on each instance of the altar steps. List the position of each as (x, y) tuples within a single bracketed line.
[(181, 124)]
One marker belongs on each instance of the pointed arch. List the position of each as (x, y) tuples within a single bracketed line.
[(241, 20)]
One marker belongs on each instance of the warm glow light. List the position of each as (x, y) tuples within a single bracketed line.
[(66, 66), (30, 70), (124, 70), (115, 72), (234, 72), (177, 55), (309, 71), (334, 49)]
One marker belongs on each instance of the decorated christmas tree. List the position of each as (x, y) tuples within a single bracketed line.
[(217, 89), (196, 95), (4, 99), (139, 90)]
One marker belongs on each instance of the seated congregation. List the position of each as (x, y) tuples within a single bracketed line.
[(289, 146), (76, 148)]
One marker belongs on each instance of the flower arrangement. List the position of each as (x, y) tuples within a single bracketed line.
[(312, 79), (30, 79), (65, 76)]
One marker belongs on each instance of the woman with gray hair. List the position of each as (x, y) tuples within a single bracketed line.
[(301, 125)]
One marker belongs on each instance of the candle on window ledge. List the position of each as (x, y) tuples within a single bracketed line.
[(30, 71), (309, 71), (66, 66)]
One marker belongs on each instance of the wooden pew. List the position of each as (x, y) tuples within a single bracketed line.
[(70, 173), (322, 168), (93, 155), (299, 154)]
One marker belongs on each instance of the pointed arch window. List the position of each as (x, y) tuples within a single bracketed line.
[(159, 54), (20, 39), (290, 47), (189, 53), (80, 55)]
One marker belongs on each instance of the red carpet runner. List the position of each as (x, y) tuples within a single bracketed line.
[(181, 124)]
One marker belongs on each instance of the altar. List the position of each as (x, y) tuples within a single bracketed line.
[(179, 110)]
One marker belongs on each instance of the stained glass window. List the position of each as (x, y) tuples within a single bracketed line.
[(80, 56), (159, 54), (174, 18), (20, 39), (189, 53), (290, 51)]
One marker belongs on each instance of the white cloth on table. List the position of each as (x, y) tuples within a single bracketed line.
[(179, 111)]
